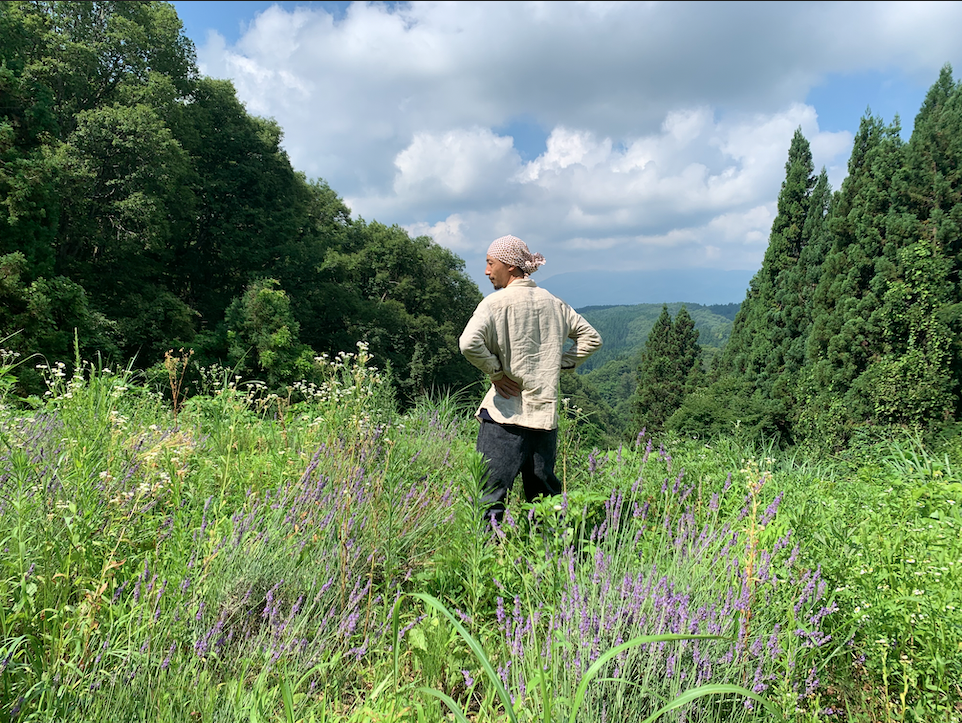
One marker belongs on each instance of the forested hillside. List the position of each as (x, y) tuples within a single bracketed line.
[(142, 206), (606, 382), (625, 328), (852, 325)]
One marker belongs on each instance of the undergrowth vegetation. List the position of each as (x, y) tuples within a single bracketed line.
[(240, 555)]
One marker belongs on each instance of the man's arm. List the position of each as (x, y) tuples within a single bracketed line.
[(586, 341), (475, 350), (474, 346)]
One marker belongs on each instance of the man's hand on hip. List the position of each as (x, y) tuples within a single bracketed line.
[(507, 388)]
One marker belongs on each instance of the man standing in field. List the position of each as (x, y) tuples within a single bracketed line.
[(516, 336)]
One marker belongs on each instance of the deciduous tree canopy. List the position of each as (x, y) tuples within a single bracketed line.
[(143, 207)]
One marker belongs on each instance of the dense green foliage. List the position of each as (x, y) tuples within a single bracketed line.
[(606, 384), (143, 209)]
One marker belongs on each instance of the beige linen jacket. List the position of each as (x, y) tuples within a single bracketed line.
[(520, 331)]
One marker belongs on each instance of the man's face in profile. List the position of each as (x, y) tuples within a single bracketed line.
[(498, 272)]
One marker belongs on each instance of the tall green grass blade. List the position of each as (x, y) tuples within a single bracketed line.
[(600, 663), (288, 698), (448, 701), (395, 628)]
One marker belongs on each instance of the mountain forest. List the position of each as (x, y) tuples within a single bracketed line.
[(144, 210)]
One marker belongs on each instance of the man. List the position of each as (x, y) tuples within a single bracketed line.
[(516, 336)]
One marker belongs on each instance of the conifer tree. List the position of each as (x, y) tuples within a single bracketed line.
[(882, 347), (912, 380), (793, 298), (687, 352), (759, 330), (670, 369), (934, 164), (650, 404), (765, 348)]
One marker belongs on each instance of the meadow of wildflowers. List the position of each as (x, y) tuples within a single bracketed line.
[(239, 555)]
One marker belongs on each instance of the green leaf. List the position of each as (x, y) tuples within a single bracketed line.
[(416, 636), (288, 700)]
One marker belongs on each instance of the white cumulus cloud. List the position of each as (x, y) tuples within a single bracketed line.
[(664, 127)]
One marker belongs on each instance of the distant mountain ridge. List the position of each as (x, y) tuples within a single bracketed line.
[(627, 288)]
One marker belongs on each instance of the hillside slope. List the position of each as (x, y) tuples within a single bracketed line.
[(624, 329)]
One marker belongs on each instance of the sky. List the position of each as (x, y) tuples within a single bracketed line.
[(607, 135)]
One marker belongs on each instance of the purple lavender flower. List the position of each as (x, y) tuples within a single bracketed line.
[(769, 514), (791, 558), (593, 461), (713, 505), (166, 663)]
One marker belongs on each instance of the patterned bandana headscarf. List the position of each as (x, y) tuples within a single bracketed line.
[(514, 252)]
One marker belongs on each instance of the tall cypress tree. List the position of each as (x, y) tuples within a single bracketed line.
[(757, 334), (764, 347), (934, 166), (793, 297), (650, 404), (686, 353), (913, 380), (669, 370)]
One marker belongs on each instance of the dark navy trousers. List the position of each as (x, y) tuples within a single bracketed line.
[(508, 450)]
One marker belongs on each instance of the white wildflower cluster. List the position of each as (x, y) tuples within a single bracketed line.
[(144, 489), (118, 420), (860, 611), (53, 377), (60, 387), (757, 474), (569, 407), (349, 379), (217, 379)]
